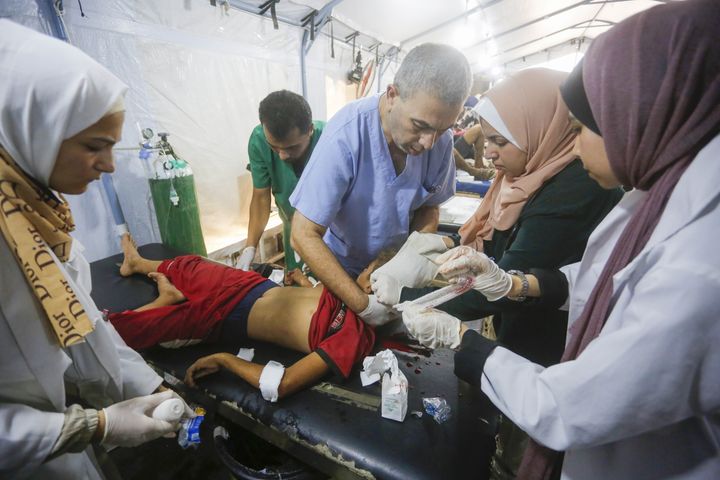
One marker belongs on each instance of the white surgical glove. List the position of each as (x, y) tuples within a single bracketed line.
[(130, 423), (386, 288), (376, 313), (431, 327), (246, 258), (464, 261), (413, 265)]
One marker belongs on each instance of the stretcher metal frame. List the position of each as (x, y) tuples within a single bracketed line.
[(335, 426)]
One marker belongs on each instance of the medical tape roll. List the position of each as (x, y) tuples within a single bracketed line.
[(270, 379)]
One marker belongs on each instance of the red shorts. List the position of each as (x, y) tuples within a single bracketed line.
[(338, 335), (211, 289)]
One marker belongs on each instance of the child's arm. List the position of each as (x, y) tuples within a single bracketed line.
[(297, 277), (303, 373)]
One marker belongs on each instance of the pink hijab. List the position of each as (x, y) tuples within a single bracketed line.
[(653, 85), (530, 106)]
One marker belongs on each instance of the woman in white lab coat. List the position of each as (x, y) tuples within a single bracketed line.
[(637, 395), (60, 114)]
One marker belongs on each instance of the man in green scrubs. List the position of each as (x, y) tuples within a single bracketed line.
[(278, 149)]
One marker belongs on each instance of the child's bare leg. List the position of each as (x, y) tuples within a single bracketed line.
[(168, 294), (132, 261)]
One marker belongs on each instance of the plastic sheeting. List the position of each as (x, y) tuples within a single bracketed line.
[(199, 73), (28, 13)]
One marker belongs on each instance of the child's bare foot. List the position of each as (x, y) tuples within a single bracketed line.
[(131, 256), (166, 290)]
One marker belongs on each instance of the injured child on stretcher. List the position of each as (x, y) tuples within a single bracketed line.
[(203, 301)]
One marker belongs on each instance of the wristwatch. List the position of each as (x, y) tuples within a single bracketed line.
[(525, 286)]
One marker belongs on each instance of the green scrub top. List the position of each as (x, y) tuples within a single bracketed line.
[(269, 171)]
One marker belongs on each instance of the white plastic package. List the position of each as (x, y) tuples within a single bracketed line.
[(277, 276), (246, 354), (394, 383), (394, 395)]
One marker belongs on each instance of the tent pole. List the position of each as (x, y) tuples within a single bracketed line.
[(57, 28), (307, 41)]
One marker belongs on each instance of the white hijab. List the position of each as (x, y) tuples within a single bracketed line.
[(49, 92)]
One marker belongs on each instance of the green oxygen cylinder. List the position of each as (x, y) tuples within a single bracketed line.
[(172, 186)]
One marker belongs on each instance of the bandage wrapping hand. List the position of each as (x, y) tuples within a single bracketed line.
[(464, 261), (431, 327), (376, 313), (130, 423), (412, 266), (246, 258)]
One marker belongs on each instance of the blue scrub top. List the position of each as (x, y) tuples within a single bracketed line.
[(350, 186)]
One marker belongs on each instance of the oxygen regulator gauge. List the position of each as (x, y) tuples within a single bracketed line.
[(147, 133)]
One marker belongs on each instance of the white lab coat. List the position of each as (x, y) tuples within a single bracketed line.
[(643, 400), (33, 369), (50, 92)]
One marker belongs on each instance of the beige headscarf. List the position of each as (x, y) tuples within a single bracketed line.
[(530, 106)]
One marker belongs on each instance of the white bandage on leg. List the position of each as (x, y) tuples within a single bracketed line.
[(270, 379), (121, 229)]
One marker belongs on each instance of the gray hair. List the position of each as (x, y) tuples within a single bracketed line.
[(435, 69)]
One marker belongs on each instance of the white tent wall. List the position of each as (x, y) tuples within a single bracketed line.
[(328, 87), (199, 73), (28, 13)]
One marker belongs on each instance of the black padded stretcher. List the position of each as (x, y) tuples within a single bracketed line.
[(335, 426)]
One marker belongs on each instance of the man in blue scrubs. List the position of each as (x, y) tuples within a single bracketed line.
[(380, 170)]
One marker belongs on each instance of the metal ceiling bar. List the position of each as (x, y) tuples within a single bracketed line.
[(384, 64), (309, 19), (449, 21), (351, 37), (265, 6), (321, 17), (579, 40), (531, 22), (270, 4), (595, 2), (239, 5), (605, 23), (348, 38), (309, 39)]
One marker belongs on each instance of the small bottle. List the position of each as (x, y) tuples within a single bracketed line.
[(171, 410)]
